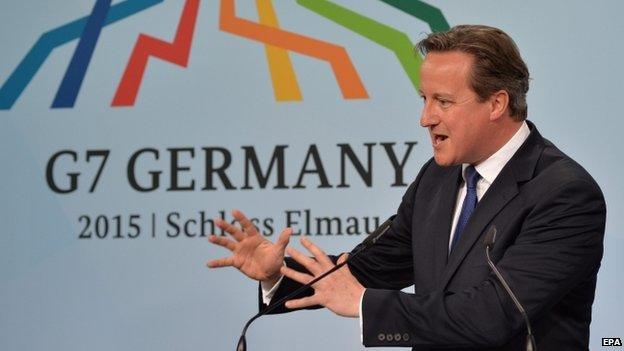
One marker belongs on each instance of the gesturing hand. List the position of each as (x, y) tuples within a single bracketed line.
[(252, 254), (340, 292)]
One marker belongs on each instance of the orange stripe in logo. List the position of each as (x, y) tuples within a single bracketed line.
[(348, 80)]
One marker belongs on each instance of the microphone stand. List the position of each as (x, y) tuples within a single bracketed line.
[(490, 237)]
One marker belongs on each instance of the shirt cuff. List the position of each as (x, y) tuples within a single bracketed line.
[(268, 291), (362, 318)]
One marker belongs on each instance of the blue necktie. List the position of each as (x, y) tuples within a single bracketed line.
[(470, 202)]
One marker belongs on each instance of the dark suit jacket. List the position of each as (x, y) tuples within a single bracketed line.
[(550, 216)]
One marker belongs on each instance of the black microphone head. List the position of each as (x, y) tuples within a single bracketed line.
[(490, 237), (378, 233), (242, 344)]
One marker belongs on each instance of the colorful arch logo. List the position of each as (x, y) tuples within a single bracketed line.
[(278, 44)]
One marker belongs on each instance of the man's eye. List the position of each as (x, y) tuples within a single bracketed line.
[(445, 103)]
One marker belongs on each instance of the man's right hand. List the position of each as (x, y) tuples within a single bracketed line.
[(252, 254)]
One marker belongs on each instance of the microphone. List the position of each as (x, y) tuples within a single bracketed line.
[(374, 236), (488, 241), (367, 243)]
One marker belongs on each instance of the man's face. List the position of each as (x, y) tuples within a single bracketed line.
[(459, 125)]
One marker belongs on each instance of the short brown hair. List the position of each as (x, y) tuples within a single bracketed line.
[(497, 62)]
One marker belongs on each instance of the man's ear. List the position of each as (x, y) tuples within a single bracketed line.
[(499, 101)]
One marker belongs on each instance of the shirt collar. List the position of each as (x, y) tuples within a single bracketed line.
[(491, 167)]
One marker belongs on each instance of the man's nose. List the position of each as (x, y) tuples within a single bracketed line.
[(428, 116)]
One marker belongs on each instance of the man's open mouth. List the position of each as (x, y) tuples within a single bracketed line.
[(438, 138)]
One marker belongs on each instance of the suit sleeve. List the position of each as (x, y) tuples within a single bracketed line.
[(389, 263), (558, 247)]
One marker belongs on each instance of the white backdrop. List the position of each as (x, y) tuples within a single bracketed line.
[(152, 292)]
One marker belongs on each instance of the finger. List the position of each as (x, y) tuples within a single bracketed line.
[(303, 302), (222, 241), (230, 229), (221, 262), (309, 263), (284, 238), (295, 275), (319, 254), (343, 258), (249, 227)]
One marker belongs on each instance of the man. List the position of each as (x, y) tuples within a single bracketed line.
[(491, 168)]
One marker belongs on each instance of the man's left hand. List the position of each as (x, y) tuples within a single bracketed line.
[(340, 292)]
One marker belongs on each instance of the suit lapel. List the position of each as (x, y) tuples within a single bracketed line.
[(505, 187), (497, 196), (442, 216)]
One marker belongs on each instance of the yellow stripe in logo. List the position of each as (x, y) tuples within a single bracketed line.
[(285, 86)]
